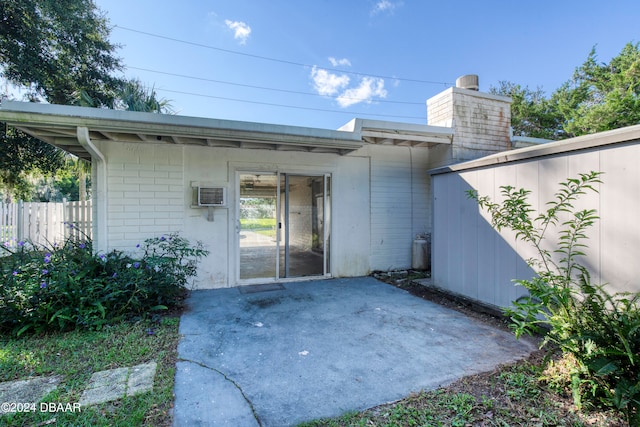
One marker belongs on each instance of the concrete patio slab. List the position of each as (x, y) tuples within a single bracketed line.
[(320, 348), (220, 402)]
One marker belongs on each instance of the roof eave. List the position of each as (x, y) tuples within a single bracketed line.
[(56, 125), (382, 132)]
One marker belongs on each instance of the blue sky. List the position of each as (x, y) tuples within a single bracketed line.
[(321, 63)]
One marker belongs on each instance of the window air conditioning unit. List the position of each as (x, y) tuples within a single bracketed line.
[(212, 196)]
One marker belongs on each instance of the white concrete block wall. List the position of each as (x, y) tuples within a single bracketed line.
[(379, 201), (146, 192), (440, 110), (300, 214)]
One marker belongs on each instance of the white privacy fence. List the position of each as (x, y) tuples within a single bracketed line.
[(44, 223)]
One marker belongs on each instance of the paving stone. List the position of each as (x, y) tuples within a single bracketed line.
[(109, 377), (32, 390), (105, 386), (141, 378), (113, 384)]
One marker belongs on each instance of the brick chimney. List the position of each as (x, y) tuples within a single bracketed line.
[(481, 121)]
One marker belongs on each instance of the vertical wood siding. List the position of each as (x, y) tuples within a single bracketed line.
[(400, 202), (472, 259)]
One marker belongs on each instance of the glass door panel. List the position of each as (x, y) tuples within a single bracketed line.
[(303, 245), (326, 224), (258, 226), (284, 225)]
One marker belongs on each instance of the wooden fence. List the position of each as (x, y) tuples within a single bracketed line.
[(44, 223)]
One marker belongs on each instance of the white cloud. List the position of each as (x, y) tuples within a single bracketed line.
[(339, 62), (369, 87), (327, 83), (382, 6), (241, 31)]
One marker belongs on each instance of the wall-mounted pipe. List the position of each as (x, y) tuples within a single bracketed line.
[(100, 202)]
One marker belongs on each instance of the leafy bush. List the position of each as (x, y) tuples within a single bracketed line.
[(600, 330), (67, 287)]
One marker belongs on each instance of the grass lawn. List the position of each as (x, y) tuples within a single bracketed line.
[(77, 355), (264, 226)]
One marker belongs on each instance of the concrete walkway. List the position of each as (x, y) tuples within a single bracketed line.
[(279, 355)]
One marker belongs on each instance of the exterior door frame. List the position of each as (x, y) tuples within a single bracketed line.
[(327, 203)]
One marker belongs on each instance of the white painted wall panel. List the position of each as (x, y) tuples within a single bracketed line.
[(440, 258), (469, 278), (620, 213), (464, 241), (453, 234), (487, 240), (350, 192), (590, 161), (400, 200)]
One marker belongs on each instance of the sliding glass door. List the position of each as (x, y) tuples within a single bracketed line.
[(258, 226), (284, 228)]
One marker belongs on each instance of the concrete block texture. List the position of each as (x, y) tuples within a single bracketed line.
[(27, 391), (113, 384)]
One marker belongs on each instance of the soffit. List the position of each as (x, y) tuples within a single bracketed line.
[(57, 125)]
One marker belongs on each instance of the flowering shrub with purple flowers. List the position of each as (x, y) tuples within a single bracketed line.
[(68, 286)]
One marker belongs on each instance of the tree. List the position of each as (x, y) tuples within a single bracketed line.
[(598, 97), (59, 52), (131, 95), (531, 113), (20, 157), (602, 96), (55, 48), (134, 96)]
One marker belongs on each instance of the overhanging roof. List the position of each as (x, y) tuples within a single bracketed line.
[(402, 134), (58, 124)]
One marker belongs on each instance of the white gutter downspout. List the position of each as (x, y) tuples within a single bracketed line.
[(99, 226)]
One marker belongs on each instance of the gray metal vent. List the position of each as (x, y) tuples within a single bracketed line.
[(468, 81), (212, 196)]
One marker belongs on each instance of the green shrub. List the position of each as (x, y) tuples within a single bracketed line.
[(600, 330), (63, 287)]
